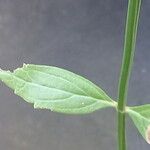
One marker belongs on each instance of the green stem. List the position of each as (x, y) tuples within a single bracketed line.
[(129, 48)]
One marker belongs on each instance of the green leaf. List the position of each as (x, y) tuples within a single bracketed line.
[(141, 118), (56, 89)]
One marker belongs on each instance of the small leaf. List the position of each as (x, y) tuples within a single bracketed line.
[(141, 118), (56, 89)]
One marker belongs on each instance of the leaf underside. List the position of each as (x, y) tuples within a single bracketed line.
[(59, 90)]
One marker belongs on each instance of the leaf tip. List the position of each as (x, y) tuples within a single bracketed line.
[(4, 74), (148, 135)]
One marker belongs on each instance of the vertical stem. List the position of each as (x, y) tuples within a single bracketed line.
[(129, 48)]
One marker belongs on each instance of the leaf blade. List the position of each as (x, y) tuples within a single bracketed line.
[(141, 118), (56, 89)]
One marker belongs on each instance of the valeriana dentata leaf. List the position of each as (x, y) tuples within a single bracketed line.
[(56, 89), (141, 118)]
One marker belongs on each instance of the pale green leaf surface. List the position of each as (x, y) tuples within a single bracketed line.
[(56, 89), (141, 118)]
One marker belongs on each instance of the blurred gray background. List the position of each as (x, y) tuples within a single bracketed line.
[(83, 36)]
